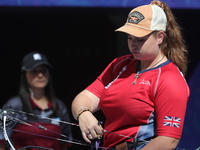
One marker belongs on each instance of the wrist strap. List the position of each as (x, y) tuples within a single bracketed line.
[(82, 111)]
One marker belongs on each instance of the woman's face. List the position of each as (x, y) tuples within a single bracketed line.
[(147, 47), (38, 77)]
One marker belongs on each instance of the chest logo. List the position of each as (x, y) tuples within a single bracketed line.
[(146, 82)]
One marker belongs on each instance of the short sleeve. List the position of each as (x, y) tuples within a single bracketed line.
[(170, 105)]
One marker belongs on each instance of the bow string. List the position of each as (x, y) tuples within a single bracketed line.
[(8, 119)]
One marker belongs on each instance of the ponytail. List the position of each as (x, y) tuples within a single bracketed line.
[(173, 45)]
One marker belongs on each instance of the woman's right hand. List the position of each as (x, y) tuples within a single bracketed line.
[(90, 127), (83, 105)]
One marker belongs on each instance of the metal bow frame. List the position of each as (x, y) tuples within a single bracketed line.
[(8, 119)]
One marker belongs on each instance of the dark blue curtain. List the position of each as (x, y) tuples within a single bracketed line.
[(191, 132)]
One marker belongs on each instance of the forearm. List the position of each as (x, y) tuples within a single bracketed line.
[(162, 143), (84, 100), (87, 122), (80, 102)]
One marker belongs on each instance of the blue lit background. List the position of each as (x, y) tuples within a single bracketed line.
[(99, 3)]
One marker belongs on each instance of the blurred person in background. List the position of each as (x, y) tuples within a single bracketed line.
[(36, 96)]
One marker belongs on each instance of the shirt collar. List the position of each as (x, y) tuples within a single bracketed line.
[(34, 105)]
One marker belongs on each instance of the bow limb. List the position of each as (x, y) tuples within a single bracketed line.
[(5, 133)]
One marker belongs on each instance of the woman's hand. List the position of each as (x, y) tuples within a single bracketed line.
[(90, 127), (84, 104)]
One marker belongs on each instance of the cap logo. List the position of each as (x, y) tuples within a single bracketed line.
[(37, 57), (135, 17)]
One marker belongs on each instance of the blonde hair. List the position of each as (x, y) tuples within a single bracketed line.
[(173, 46)]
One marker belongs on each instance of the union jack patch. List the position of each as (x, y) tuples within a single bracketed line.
[(172, 121)]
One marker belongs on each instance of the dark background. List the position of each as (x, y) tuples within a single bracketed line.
[(79, 43)]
